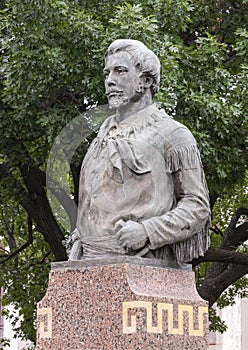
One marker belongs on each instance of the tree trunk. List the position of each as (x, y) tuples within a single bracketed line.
[(38, 208)]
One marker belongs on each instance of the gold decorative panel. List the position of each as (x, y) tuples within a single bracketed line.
[(162, 319)]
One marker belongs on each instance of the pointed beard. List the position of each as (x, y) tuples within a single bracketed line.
[(116, 101), (119, 100)]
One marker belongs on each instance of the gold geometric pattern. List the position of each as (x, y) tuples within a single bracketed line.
[(129, 329), (45, 327)]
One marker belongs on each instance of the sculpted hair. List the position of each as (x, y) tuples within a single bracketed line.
[(144, 59)]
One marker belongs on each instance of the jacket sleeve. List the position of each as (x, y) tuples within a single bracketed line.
[(185, 227)]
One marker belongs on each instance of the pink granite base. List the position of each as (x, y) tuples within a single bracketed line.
[(120, 304)]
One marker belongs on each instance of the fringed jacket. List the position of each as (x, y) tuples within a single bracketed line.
[(147, 169)]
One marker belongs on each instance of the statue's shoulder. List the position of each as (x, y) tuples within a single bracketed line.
[(167, 122), (180, 147), (163, 119), (174, 133)]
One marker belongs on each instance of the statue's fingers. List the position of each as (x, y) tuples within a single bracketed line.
[(119, 234)]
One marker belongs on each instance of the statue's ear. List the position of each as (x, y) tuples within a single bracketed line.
[(147, 82)]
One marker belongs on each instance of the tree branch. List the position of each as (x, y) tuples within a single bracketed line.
[(231, 239), (44, 257), (24, 246), (61, 195), (227, 241), (222, 255), (4, 250), (239, 236), (4, 172), (213, 199), (216, 230), (75, 170), (212, 288), (220, 275), (67, 203)]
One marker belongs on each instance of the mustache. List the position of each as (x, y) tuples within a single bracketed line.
[(113, 92)]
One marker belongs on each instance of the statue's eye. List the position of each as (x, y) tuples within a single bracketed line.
[(121, 70), (106, 73)]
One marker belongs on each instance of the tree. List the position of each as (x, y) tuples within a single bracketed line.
[(51, 71)]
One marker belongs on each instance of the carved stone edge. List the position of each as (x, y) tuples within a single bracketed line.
[(103, 261)]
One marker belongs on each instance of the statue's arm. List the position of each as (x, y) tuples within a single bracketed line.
[(190, 214), (192, 211)]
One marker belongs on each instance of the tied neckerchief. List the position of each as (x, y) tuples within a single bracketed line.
[(123, 151)]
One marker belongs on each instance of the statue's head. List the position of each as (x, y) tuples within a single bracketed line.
[(130, 69)]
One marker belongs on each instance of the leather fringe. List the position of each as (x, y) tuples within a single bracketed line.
[(194, 246), (186, 157)]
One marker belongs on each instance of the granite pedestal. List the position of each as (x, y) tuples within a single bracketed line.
[(121, 303)]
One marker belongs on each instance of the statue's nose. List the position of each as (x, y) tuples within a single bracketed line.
[(110, 80)]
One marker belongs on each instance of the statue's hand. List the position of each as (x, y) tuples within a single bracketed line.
[(132, 235)]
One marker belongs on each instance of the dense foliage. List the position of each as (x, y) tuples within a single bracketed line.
[(51, 70)]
